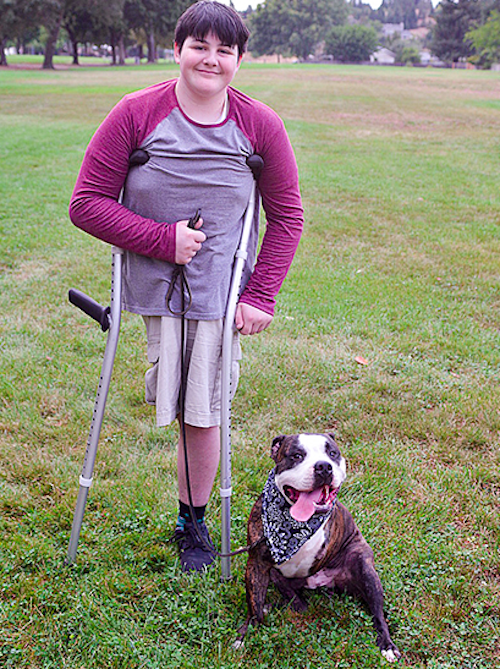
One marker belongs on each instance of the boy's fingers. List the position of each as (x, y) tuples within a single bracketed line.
[(187, 242), (197, 225), (250, 320), (238, 319), (190, 233)]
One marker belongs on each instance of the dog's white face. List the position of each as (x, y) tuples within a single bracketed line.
[(309, 472)]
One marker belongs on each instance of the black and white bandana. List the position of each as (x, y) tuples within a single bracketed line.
[(284, 534)]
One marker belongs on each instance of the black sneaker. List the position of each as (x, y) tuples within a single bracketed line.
[(195, 554)]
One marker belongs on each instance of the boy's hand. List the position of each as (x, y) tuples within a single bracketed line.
[(250, 320), (187, 241)]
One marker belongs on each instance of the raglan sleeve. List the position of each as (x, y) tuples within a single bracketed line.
[(281, 200), (95, 206)]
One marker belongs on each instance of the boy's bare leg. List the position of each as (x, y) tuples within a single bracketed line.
[(203, 447)]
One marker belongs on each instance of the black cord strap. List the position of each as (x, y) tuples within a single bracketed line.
[(179, 271), (186, 293)]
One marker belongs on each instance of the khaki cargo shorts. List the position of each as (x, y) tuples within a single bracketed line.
[(203, 358)]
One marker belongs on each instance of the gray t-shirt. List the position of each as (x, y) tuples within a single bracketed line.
[(191, 167)]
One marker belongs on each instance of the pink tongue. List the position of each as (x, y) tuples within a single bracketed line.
[(304, 508)]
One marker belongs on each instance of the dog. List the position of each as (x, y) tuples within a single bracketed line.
[(301, 537)]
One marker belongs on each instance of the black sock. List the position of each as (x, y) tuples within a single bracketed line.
[(185, 514)]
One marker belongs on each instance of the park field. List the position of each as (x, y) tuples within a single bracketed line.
[(387, 331)]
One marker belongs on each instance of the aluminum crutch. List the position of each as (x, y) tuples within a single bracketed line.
[(256, 164), (109, 318)]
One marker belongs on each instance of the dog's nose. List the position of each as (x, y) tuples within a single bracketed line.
[(323, 468)]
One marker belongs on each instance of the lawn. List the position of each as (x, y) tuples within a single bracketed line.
[(387, 332)]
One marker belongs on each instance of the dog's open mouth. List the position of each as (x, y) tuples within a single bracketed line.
[(306, 503)]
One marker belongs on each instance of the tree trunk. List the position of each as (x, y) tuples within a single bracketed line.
[(3, 57), (74, 45), (121, 51), (50, 46), (151, 47)]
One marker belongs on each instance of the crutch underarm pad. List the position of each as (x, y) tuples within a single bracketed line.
[(90, 307), (256, 164)]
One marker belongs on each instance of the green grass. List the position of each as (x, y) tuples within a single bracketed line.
[(399, 264)]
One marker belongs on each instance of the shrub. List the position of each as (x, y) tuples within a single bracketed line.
[(351, 43)]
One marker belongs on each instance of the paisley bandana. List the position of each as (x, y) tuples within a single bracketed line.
[(284, 534)]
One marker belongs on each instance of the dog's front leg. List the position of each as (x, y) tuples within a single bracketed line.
[(374, 598), (364, 582), (257, 582)]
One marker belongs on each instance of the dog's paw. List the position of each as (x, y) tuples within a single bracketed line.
[(238, 644), (391, 654)]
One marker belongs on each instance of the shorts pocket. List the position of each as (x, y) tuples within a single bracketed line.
[(151, 383)]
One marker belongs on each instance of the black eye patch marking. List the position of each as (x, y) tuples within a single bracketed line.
[(295, 454), (332, 450)]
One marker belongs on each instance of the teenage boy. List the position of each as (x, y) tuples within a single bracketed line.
[(198, 132)]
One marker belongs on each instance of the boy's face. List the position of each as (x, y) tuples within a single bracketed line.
[(207, 66)]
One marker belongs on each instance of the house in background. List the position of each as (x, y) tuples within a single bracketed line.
[(426, 58), (383, 56)]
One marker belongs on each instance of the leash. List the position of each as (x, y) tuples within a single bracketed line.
[(179, 273)]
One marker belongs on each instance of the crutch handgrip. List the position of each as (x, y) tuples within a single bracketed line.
[(90, 307)]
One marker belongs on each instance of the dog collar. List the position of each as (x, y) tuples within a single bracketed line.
[(284, 534)]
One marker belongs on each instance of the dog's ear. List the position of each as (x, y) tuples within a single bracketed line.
[(332, 436), (277, 441)]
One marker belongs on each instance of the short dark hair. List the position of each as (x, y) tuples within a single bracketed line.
[(206, 17)]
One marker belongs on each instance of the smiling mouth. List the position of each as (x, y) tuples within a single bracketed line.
[(306, 503)]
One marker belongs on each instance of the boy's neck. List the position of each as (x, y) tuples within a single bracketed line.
[(198, 108)]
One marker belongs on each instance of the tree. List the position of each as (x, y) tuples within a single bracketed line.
[(487, 6), (351, 43), (486, 41), (7, 21), (17, 18), (155, 19), (83, 22), (294, 26), (411, 13), (51, 17), (271, 27), (454, 19), (115, 28), (410, 54), (405, 51), (361, 12)]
